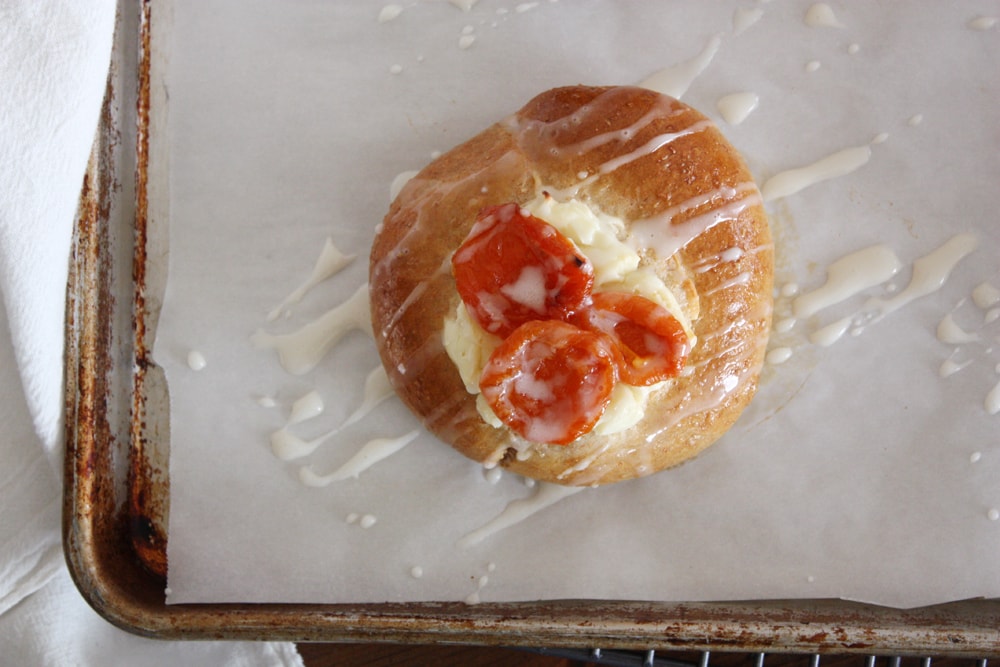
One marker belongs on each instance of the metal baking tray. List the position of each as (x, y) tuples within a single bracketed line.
[(117, 484)]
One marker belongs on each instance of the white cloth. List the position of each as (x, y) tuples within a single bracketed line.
[(54, 58)]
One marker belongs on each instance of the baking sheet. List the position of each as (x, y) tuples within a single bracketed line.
[(852, 456)]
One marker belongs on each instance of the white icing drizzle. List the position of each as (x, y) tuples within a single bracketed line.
[(287, 446), (733, 254), (779, 355), (950, 333), (737, 280), (414, 295), (455, 408), (982, 22), (985, 295), (949, 367), (474, 598), (308, 406), (726, 256), (370, 453), (330, 262), (675, 80), (301, 350), (196, 360), (389, 12), (528, 289), (929, 273), (789, 289), (464, 5), (399, 181), (992, 400), (837, 164), (785, 324), (516, 511), (744, 17), (377, 389), (735, 107), (731, 325), (821, 15), (650, 147), (693, 404), (848, 276), (585, 462), (660, 108), (660, 234), (831, 333), (865, 268)]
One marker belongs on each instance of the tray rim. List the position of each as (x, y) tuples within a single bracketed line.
[(106, 569)]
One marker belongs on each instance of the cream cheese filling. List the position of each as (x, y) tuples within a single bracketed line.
[(616, 269)]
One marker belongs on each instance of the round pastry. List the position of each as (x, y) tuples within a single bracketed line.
[(582, 292)]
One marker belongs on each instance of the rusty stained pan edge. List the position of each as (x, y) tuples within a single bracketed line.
[(115, 566), (148, 479), (99, 561)]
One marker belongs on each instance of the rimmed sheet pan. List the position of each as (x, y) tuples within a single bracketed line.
[(117, 487)]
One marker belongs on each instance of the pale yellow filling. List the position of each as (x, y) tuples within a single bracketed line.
[(616, 269)]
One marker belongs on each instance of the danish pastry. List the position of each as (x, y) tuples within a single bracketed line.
[(581, 293)]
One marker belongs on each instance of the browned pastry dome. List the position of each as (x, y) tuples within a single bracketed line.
[(669, 174)]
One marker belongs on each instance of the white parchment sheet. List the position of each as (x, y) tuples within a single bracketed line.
[(859, 472)]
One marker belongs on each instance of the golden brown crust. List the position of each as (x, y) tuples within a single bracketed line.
[(669, 162)]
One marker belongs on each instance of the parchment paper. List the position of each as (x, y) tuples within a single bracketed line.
[(858, 472)]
